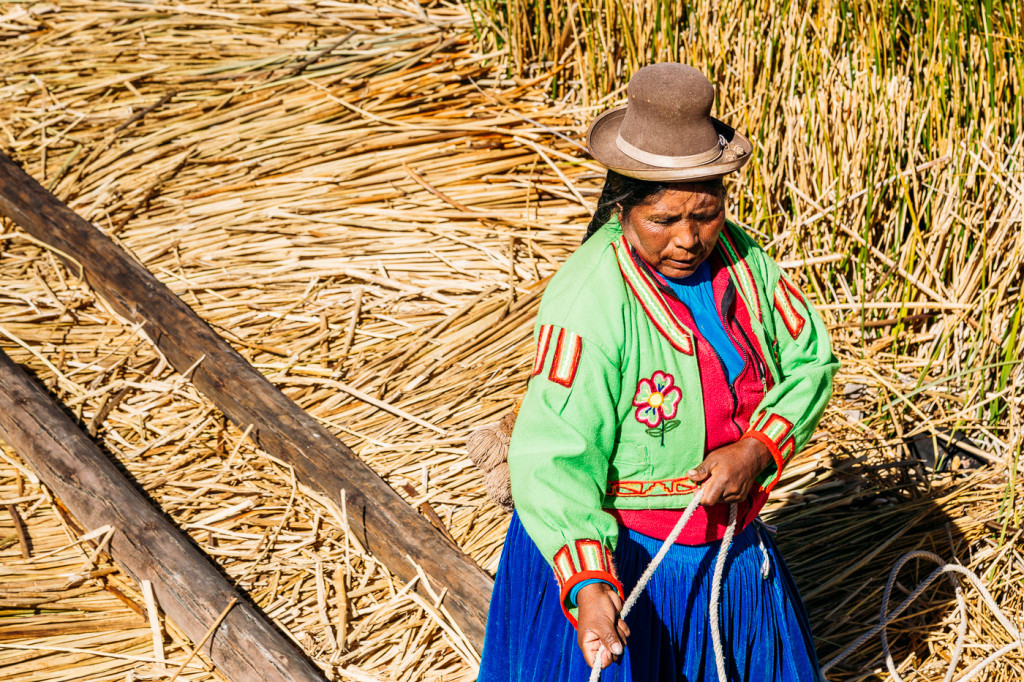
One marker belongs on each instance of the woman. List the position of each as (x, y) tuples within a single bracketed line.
[(671, 356)]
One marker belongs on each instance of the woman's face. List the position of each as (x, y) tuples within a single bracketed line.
[(676, 230)]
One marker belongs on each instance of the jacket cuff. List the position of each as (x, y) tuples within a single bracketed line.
[(580, 561), (775, 432)]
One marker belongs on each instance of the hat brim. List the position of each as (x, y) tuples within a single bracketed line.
[(604, 131)]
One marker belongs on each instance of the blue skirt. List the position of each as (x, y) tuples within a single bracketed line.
[(764, 626)]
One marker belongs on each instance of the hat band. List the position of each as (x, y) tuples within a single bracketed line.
[(670, 161)]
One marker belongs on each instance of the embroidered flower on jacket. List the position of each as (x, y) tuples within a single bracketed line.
[(656, 399)]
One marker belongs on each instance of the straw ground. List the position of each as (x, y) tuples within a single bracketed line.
[(367, 200)]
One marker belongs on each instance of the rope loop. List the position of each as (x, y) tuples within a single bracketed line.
[(886, 616)]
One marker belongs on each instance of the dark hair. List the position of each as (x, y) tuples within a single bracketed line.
[(628, 193)]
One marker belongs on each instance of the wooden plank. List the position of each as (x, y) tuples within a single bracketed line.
[(189, 587), (384, 523)]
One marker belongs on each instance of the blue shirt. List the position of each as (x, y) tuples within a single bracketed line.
[(697, 294)]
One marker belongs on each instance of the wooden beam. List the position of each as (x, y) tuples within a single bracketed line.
[(145, 543), (385, 524)]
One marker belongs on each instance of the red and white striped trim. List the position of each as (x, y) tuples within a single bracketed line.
[(775, 432), (595, 561), (740, 271), (791, 317), (793, 290), (567, 358), (651, 299), (564, 566), (543, 339), (774, 426), (593, 556), (589, 556)]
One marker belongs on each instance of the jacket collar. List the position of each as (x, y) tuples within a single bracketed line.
[(651, 297), (739, 270), (651, 293)]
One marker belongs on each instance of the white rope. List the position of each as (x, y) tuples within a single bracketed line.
[(716, 594), (716, 584), (887, 617), (766, 563), (961, 628)]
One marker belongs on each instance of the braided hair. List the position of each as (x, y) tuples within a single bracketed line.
[(626, 193)]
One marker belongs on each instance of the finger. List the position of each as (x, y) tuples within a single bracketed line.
[(605, 658), (589, 645), (611, 643), (623, 629), (739, 493), (596, 652), (733, 497), (698, 473), (726, 493), (712, 493)]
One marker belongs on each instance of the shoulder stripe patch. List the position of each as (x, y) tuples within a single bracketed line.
[(793, 290), (567, 358), (543, 340), (791, 317)]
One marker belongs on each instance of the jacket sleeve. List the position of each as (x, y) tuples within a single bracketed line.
[(558, 458), (787, 416)]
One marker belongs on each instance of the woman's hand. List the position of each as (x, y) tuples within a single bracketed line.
[(727, 474), (599, 624)]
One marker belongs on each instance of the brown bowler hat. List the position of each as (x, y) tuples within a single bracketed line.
[(665, 130)]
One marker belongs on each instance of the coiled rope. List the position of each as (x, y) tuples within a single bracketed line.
[(885, 617)]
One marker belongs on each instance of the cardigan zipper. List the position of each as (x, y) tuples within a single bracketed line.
[(762, 371)]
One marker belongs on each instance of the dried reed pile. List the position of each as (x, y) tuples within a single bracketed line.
[(361, 200), (283, 184), (64, 601)]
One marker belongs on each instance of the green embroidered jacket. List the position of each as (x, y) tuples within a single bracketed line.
[(612, 362)]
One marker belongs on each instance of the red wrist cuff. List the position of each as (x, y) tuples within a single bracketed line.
[(776, 432), (580, 577), (579, 561), (776, 455)]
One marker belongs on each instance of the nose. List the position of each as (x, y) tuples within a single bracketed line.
[(685, 237)]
